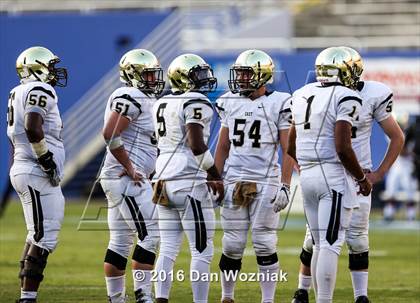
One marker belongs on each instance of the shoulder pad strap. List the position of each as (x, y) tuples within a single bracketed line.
[(129, 98), (193, 101), (44, 90), (350, 98)]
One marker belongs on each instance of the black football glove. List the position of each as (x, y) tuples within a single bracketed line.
[(49, 167)]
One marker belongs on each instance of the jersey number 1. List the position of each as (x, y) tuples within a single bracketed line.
[(307, 125)]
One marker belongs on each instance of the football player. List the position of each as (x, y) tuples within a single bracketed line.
[(184, 166), (377, 106), (324, 116), (130, 160), (254, 121), (34, 128)]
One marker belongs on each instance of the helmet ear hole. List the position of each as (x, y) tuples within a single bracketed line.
[(38, 72)]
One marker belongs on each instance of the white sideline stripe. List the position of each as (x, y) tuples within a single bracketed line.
[(295, 251), (249, 251)]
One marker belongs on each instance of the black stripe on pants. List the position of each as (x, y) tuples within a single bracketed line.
[(200, 225), (137, 217), (37, 214), (334, 223)]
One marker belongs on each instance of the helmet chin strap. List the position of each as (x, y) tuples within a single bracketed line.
[(34, 74)]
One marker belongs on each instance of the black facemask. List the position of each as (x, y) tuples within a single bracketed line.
[(203, 78), (58, 74), (155, 86), (242, 86)]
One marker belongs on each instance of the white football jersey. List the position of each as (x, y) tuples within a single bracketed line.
[(138, 139), (377, 105), (171, 114), (315, 110), (254, 127), (41, 98)]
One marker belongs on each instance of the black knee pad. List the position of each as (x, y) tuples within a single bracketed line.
[(34, 264), (22, 259), (228, 264), (305, 258), (267, 260), (143, 256), (115, 259), (359, 261)]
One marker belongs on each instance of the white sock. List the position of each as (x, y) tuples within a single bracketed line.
[(359, 280), (389, 211), (314, 262), (164, 265), (200, 288), (142, 279), (326, 273), (267, 284), (228, 284), (25, 294), (411, 213), (115, 287), (304, 281)]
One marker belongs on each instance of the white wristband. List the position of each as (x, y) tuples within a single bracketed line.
[(114, 143), (40, 148), (205, 160)]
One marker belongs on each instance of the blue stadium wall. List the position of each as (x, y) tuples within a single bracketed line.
[(90, 44)]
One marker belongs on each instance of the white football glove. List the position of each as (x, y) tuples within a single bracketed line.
[(282, 198)]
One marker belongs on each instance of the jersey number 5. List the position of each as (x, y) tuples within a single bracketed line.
[(161, 120)]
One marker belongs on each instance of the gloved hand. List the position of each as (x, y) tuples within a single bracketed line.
[(282, 198), (49, 167)]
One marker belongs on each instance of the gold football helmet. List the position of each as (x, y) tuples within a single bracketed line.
[(140, 68), (334, 64), (252, 69), (38, 64), (357, 64), (190, 72)]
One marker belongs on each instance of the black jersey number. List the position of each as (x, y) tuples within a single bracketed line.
[(153, 139), (11, 110), (197, 113), (161, 120), (119, 108), (388, 108), (307, 125), (253, 134), (353, 132), (40, 100)]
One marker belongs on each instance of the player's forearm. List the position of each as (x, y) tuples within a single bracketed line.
[(287, 168), (287, 161), (213, 173), (221, 155), (291, 145), (349, 160), (122, 156), (395, 147), (222, 149), (345, 151)]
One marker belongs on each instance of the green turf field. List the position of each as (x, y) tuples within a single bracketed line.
[(74, 272)]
